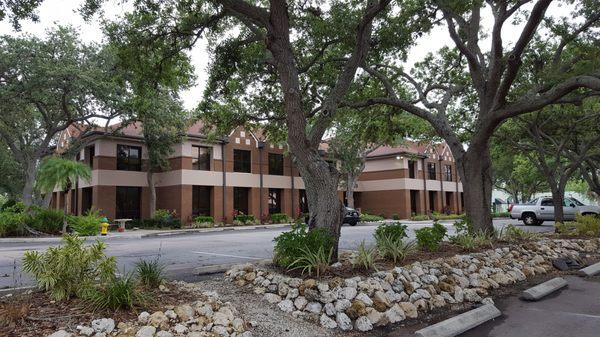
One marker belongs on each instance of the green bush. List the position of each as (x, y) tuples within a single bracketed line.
[(420, 217), (309, 260), (366, 257), (14, 207), (71, 269), (8, 204), (13, 224), (512, 233), (370, 218), (86, 225), (204, 219), (587, 225), (470, 241), (501, 215), (395, 216), (279, 218), (162, 219), (395, 250), (439, 216), (430, 237), (395, 231), (48, 220), (245, 219), (290, 246), (121, 293), (150, 273)]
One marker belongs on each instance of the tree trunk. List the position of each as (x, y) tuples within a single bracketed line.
[(351, 181), (30, 176), (66, 209), (46, 200), (558, 198), (474, 167), (152, 187)]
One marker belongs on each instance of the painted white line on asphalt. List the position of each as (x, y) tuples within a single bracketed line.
[(565, 312), (227, 255)]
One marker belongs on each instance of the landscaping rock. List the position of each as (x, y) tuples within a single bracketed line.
[(164, 334), (146, 331), (314, 307), (272, 298), (363, 324), (159, 320), (143, 317), (103, 325), (409, 309), (343, 321), (60, 333), (85, 330), (286, 306), (327, 322), (185, 312)]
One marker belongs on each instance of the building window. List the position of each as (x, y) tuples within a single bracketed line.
[(448, 172), (91, 153), (431, 171), (86, 199), (276, 164), (241, 161), (129, 158), (240, 199), (274, 200), (201, 158), (412, 172), (201, 199), (303, 202), (128, 202)]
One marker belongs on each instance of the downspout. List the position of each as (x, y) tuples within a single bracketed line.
[(292, 176), (458, 210), (224, 179), (426, 210), (442, 185), (261, 146)]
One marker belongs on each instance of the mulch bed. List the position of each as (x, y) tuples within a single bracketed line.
[(36, 314)]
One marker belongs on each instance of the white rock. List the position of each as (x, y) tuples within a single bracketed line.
[(185, 312), (247, 334), (220, 330), (459, 294), (220, 318), (85, 330), (146, 331), (300, 302), (348, 293), (205, 310), (103, 325), (363, 324), (342, 305), (143, 317), (164, 334), (327, 322), (365, 299), (238, 324), (286, 306), (272, 298), (343, 321), (171, 314), (314, 307), (180, 329), (60, 333), (395, 314), (330, 309)]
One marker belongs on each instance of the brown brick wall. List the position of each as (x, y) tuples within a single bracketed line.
[(104, 199)]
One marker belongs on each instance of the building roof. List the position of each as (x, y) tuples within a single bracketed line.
[(419, 149)]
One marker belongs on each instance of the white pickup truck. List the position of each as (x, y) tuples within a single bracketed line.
[(541, 209)]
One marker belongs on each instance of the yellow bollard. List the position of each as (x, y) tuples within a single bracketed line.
[(104, 227)]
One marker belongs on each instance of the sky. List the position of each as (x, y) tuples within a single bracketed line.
[(64, 12)]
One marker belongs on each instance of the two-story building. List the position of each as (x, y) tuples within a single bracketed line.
[(245, 173)]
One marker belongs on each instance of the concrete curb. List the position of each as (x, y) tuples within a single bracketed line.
[(17, 290), (221, 268), (590, 270), (544, 289), (461, 323)]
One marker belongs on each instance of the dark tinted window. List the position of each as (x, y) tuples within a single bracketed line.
[(448, 172), (201, 158), (303, 202), (240, 199), (274, 200), (412, 169), (128, 202), (241, 161), (91, 154), (547, 202), (129, 158), (431, 171), (201, 198), (276, 164)]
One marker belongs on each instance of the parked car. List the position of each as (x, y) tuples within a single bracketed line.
[(352, 217), (541, 209)]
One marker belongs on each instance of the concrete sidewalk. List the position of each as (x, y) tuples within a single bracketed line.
[(572, 311), (142, 233)]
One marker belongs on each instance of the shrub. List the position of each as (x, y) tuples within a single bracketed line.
[(71, 269), (13, 224), (150, 273), (279, 218), (48, 220), (421, 217), (512, 233), (309, 260), (587, 225), (204, 219), (395, 231), (290, 246), (120, 293), (395, 216), (162, 218), (471, 241), (430, 237), (86, 225), (366, 257), (501, 215), (370, 218), (395, 250), (14, 207), (439, 216), (244, 219), (8, 204)]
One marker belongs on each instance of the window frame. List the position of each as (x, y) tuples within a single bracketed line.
[(240, 165), (127, 214), (124, 163), (448, 172), (274, 170), (196, 158), (275, 194), (246, 191), (196, 200), (412, 169), (431, 174)]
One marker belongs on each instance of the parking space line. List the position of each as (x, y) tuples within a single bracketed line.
[(227, 255)]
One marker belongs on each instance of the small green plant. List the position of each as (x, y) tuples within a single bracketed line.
[(86, 225), (395, 231), (310, 261), (440, 216), (279, 218), (395, 216), (501, 215), (370, 218), (587, 225), (290, 246), (430, 237), (244, 219), (512, 233), (48, 220), (121, 293), (162, 218), (471, 241), (150, 273), (366, 257), (204, 219), (395, 250), (13, 224), (419, 217), (71, 269)]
